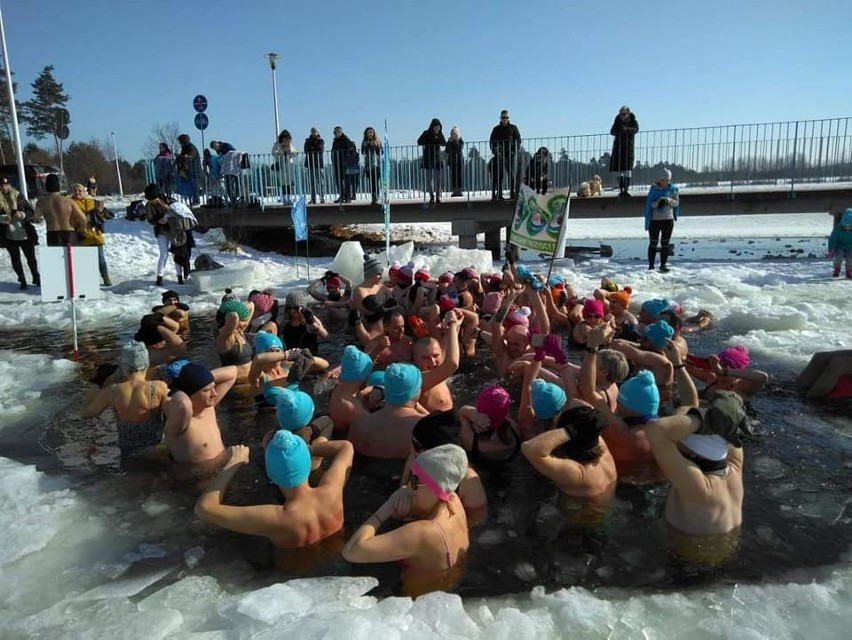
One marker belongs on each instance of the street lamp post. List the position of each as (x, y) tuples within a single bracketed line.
[(19, 157), (273, 63), (117, 167)]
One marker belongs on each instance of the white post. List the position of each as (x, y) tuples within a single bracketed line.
[(19, 156), (273, 64), (117, 167)]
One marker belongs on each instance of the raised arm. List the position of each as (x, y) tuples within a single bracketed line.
[(452, 354)]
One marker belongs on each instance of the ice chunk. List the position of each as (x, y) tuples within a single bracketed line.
[(124, 588), (196, 597), (525, 571), (155, 507), (147, 550), (349, 261), (491, 536), (193, 556), (769, 468), (444, 614)]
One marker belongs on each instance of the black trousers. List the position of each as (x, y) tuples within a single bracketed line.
[(456, 176), (659, 231), (14, 248)]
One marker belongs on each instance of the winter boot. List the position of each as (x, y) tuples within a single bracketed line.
[(159, 281), (626, 193), (836, 273), (652, 256)]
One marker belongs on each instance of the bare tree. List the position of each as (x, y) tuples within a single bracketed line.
[(161, 132)]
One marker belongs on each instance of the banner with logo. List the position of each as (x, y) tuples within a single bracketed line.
[(538, 219)]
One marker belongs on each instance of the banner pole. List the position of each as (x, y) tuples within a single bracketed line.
[(69, 269)]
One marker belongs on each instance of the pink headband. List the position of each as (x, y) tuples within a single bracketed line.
[(443, 496)]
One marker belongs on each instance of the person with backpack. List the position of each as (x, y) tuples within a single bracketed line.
[(164, 169), (173, 222), (188, 165)]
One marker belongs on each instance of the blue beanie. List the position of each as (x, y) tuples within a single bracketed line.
[(547, 399), (658, 333), (402, 383), (356, 365), (655, 306), (288, 461), (265, 341), (295, 408), (640, 394), (846, 218), (376, 379), (171, 370)]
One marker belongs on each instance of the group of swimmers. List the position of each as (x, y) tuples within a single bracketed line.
[(625, 410)]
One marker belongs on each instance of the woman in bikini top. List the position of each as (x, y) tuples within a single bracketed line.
[(432, 544)]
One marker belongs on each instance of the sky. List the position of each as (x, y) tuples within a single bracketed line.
[(560, 68)]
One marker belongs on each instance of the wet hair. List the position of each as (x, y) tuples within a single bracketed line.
[(673, 319), (614, 364), (390, 314), (587, 424), (51, 183)]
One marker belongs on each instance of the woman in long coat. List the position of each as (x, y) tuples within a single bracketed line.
[(623, 129)]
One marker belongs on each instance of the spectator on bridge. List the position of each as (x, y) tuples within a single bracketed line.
[(661, 210), (840, 244), (339, 147), (432, 139), (623, 129), (353, 171), (164, 169), (188, 165), (505, 143), (230, 162), (536, 175), (213, 169), (283, 153), (455, 146), (315, 164), (371, 149)]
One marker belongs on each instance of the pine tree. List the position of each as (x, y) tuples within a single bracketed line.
[(40, 113)]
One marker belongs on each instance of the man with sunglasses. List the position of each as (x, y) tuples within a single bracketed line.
[(505, 143)]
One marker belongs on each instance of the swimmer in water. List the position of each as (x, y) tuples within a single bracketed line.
[(192, 430), (432, 544), (308, 515)]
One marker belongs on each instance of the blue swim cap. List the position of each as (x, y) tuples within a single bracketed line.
[(655, 306), (171, 370), (376, 379), (640, 394), (295, 408), (546, 398), (658, 333), (288, 461), (265, 341), (402, 383), (356, 365)]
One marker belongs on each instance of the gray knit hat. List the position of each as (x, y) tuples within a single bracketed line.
[(372, 267), (441, 469), (296, 299), (664, 173), (134, 356)]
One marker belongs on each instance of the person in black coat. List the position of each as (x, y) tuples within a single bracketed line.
[(455, 158), (623, 129), (17, 232), (315, 164), (505, 143), (339, 148), (537, 170), (432, 139)]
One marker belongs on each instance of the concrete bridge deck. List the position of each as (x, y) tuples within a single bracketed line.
[(470, 217)]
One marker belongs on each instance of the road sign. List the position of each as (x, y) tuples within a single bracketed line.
[(201, 121), (63, 132), (199, 103)]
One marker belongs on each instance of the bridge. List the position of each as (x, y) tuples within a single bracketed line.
[(782, 167)]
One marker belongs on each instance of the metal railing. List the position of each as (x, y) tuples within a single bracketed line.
[(778, 153)]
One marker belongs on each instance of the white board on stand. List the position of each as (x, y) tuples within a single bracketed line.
[(55, 283)]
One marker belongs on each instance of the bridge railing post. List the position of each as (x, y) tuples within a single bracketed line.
[(795, 151)]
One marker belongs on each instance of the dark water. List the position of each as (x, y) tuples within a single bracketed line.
[(797, 479)]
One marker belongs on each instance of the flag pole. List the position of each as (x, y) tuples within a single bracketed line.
[(386, 168)]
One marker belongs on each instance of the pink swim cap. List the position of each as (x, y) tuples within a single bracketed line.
[(735, 357), (492, 302), (263, 302), (494, 401), (593, 307), (519, 317)]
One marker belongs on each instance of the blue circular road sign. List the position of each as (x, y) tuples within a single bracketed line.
[(199, 103), (201, 121)]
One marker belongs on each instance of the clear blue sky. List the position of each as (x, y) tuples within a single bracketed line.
[(562, 68)]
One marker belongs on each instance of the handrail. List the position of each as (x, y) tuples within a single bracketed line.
[(775, 153)]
